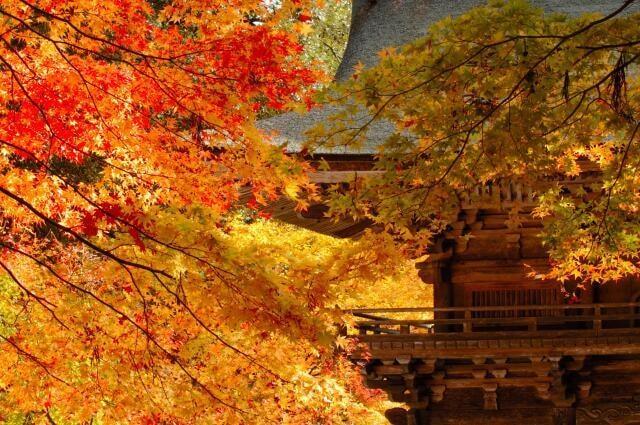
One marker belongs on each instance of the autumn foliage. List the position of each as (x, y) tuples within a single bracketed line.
[(135, 287), (128, 295)]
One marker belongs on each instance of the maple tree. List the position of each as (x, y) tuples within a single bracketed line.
[(329, 30), (276, 361), (133, 291), (130, 293), (505, 93)]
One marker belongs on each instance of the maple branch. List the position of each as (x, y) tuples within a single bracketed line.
[(155, 273), (32, 358), (514, 92), (131, 321), (617, 177), (154, 78), (49, 418), (183, 250), (22, 202), (563, 39), (251, 359), (45, 119), (92, 36), (46, 304)]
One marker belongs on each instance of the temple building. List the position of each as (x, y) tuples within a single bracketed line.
[(498, 347)]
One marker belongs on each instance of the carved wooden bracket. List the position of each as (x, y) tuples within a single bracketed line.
[(584, 390), (543, 391), (479, 373), (437, 393), (499, 373)]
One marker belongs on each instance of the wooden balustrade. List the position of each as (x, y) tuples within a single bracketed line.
[(508, 193), (593, 319)]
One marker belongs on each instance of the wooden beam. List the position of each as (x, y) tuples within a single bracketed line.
[(510, 367), (479, 383), (333, 177)]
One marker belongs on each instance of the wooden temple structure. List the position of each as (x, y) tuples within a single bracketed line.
[(498, 347)]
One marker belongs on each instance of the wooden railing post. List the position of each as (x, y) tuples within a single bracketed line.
[(597, 322), (466, 325)]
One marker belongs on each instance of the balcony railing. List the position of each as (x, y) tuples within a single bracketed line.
[(474, 322)]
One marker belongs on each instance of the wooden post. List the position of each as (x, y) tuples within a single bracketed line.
[(412, 417), (490, 396), (597, 322), (466, 325)]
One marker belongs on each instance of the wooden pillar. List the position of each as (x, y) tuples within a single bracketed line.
[(597, 322), (558, 390), (596, 291), (412, 417), (432, 272)]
